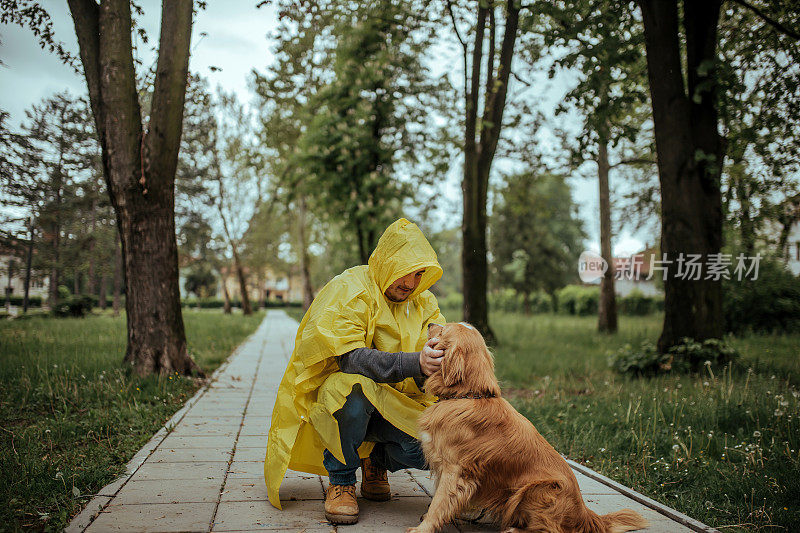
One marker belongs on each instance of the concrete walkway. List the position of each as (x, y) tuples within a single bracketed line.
[(206, 474)]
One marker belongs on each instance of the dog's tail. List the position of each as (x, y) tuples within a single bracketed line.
[(616, 522), (541, 494)]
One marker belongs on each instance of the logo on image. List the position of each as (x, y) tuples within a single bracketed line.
[(591, 266)]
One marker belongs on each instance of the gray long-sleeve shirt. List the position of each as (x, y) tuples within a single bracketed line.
[(382, 367)]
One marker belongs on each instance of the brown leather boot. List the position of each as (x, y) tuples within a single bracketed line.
[(374, 482), (341, 506)]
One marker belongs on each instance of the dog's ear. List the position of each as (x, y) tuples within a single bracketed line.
[(434, 330), (453, 365)]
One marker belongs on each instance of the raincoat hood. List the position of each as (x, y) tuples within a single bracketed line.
[(401, 250)]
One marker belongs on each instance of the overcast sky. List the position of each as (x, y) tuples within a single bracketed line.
[(236, 42)]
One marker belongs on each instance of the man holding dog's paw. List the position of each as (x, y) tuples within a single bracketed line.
[(351, 394)]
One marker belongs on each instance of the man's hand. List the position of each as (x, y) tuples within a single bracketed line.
[(430, 359)]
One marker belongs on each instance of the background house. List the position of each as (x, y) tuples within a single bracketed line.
[(792, 255), (632, 273), (12, 272)]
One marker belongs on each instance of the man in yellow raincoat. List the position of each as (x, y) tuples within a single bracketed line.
[(351, 393)]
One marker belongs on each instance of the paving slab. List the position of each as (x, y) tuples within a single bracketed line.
[(169, 491), (251, 454), (181, 471), (204, 470), (260, 516), (190, 455), (154, 517)]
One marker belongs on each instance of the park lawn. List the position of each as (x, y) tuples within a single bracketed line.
[(721, 447), (72, 416), (296, 313)]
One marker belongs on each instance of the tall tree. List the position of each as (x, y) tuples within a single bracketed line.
[(690, 154), (139, 167), (482, 126), (302, 58), (536, 233), (759, 103), (237, 187), (606, 47), (54, 151), (686, 113), (368, 133)]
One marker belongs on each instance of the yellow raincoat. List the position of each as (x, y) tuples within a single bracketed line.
[(352, 312)]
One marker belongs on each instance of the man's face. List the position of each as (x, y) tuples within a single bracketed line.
[(403, 287)]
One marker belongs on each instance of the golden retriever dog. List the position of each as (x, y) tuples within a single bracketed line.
[(484, 454)]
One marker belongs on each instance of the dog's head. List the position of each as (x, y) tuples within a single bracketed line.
[(467, 365)]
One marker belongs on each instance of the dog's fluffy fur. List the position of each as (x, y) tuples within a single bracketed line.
[(485, 454)]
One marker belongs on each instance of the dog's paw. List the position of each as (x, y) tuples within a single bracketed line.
[(413, 530)]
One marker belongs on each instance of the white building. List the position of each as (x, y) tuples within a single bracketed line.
[(12, 274), (793, 249)]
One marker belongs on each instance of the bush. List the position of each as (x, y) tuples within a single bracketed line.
[(509, 301), (767, 304), (638, 304), (75, 306), (33, 301), (214, 303), (63, 292), (207, 303), (454, 300), (689, 356), (578, 300)]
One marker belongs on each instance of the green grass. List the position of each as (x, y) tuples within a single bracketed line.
[(723, 448), (72, 417), (296, 313)]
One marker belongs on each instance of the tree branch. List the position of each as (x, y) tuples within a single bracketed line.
[(522, 81), (122, 121), (169, 91), (766, 18), (490, 57), (493, 116), (463, 44), (634, 161), (86, 19), (475, 81)]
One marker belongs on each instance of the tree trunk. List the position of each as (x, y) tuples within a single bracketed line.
[(101, 298), (747, 230), (117, 276), (246, 309), (140, 169), (226, 306), (55, 228), (363, 253), (305, 270), (689, 160), (91, 281), (28, 261), (607, 310), (156, 338), (54, 270), (245, 298), (8, 286)]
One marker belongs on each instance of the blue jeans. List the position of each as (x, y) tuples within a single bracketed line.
[(360, 421)]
